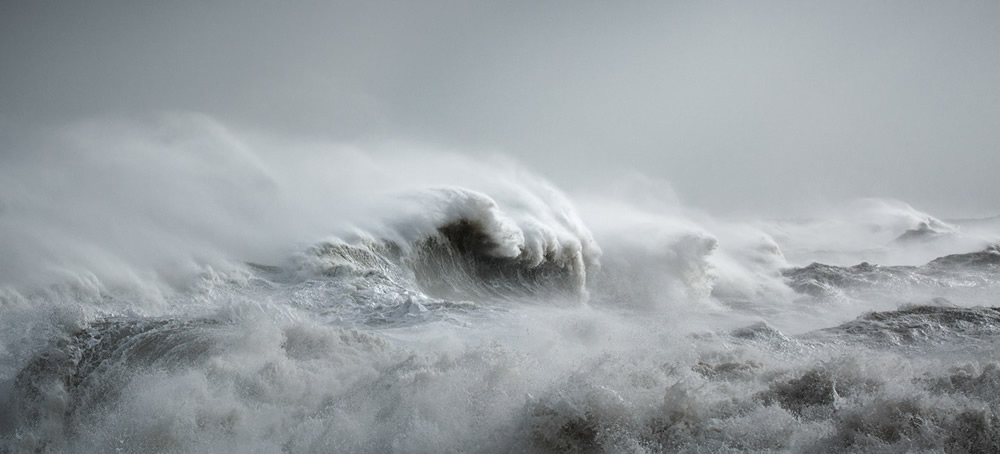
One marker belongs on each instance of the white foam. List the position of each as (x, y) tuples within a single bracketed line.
[(135, 222)]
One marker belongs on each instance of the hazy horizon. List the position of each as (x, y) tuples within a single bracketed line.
[(742, 108)]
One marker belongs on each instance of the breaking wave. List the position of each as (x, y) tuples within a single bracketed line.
[(475, 252)]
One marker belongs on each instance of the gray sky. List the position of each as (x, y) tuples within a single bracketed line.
[(742, 106)]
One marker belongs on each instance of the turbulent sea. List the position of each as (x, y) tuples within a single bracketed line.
[(175, 286)]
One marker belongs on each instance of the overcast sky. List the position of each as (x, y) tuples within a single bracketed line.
[(742, 106)]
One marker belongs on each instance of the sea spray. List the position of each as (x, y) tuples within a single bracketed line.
[(176, 285)]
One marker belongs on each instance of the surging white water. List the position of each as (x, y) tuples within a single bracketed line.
[(175, 286)]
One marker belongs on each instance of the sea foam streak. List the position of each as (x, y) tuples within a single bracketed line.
[(175, 286)]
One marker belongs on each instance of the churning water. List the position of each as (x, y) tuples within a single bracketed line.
[(173, 286)]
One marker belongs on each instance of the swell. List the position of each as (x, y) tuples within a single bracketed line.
[(921, 324), (974, 269)]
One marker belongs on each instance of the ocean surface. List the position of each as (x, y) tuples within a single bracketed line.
[(174, 286)]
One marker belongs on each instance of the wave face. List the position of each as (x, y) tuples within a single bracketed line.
[(475, 251), (205, 290)]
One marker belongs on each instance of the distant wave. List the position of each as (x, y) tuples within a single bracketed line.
[(987, 258), (926, 231), (884, 231), (819, 279), (920, 324)]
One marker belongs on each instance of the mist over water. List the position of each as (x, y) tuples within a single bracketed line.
[(174, 284)]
